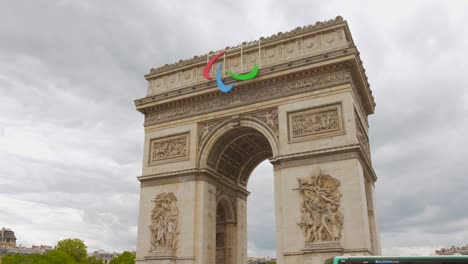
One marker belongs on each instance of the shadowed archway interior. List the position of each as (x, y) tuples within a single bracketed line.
[(237, 153), (226, 228), (220, 234), (233, 157)]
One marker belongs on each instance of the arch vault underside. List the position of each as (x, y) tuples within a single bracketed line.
[(306, 112)]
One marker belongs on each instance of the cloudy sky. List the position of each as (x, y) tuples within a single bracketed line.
[(71, 141)]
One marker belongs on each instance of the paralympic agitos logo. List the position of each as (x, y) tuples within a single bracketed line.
[(226, 87)]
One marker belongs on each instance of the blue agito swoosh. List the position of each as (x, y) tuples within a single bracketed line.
[(224, 88)]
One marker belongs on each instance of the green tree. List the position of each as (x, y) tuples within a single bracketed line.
[(73, 247), (124, 258), (93, 260), (12, 259), (58, 256), (36, 259), (18, 258)]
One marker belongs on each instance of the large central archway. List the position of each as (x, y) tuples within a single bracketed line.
[(234, 150), (234, 147), (306, 112)]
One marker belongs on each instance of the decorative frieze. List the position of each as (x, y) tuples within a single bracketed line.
[(169, 149), (243, 95), (321, 219), (323, 121), (164, 225), (362, 136)]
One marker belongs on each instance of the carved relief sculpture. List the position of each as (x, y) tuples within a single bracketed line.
[(316, 122), (270, 118), (321, 219), (169, 149), (205, 130), (206, 127), (164, 224)]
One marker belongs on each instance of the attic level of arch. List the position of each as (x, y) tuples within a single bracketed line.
[(319, 27), (272, 69), (290, 78)]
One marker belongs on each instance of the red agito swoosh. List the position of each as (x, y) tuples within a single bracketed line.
[(206, 70)]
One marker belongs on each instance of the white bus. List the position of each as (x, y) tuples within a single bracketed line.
[(398, 260)]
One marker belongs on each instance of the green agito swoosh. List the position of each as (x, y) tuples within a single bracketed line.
[(246, 76)]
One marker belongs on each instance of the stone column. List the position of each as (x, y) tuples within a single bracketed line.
[(320, 211), (241, 232), (231, 243)]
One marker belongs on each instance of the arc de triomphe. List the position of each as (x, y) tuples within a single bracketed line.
[(306, 111)]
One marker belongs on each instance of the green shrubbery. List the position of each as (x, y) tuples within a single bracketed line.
[(67, 251), (125, 258)]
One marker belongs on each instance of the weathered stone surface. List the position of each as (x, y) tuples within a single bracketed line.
[(306, 111)]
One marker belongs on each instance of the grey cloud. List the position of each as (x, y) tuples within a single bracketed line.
[(70, 138), (260, 209)]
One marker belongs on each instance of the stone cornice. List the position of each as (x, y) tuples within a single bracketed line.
[(309, 44), (329, 250), (211, 86), (185, 99), (166, 258), (264, 41), (353, 151), (263, 89), (325, 155), (253, 92), (191, 175)]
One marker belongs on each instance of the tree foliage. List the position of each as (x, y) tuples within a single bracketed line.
[(52, 257), (67, 251), (13, 259), (58, 256), (124, 258), (73, 247), (92, 260)]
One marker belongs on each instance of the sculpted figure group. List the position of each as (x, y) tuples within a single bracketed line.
[(164, 221), (321, 219), (314, 123), (452, 250), (166, 149)]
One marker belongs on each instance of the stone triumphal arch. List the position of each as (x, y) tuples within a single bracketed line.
[(306, 111)]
